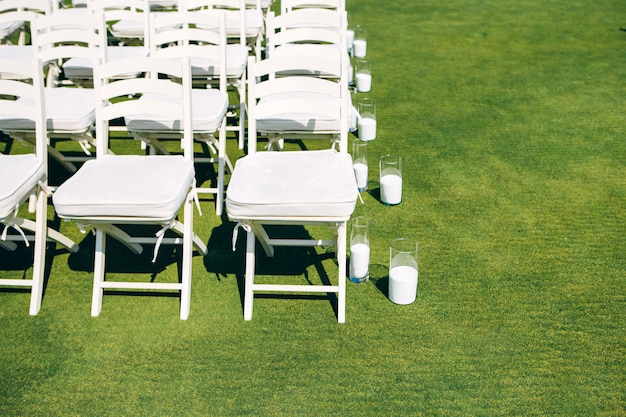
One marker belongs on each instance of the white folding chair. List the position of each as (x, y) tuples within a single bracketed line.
[(23, 177), (20, 13), (59, 37), (19, 22), (314, 187), (176, 36), (242, 20), (111, 191), (307, 80), (322, 28), (236, 51), (123, 44)]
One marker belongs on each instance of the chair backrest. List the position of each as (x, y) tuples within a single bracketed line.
[(289, 5), (60, 36), (300, 93), (168, 83), (310, 17), (164, 5), (236, 25), (310, 26), (133, 15), (16, 14), (191, 34), (28, 86)]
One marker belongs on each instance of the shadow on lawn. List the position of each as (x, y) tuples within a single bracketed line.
[(287, 261), (21, 261), (379, 275)]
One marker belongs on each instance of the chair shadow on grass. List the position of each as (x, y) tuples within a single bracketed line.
[(120, 260), (21, 260), (379, 275), (294, 262)]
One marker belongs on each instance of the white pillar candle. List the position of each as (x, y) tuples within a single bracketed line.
[(350, 74), (350, 38), (359, 262), (359, 47), (367, 128), (352, 122), (360, 172), (402, 284), (391, 189), (363, 82)]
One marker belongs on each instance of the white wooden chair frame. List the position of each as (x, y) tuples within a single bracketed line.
[(39, 232), (254, 225), (173, 30), (108, 86)]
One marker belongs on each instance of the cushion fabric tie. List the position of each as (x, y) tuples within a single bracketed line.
[(244, 226), (11, 223)]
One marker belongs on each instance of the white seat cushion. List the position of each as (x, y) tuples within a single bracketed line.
[(83, 68), (128, 29), (208, 105), (69, 110), (264, 3), (19, 175), (254, 22), (236, 62), (299, 122), (150, 187), (133, 29), (22, 53), (7, 28), (292, 184)]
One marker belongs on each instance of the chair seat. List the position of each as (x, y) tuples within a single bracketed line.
[(254, 22), (236, 61), (7, 28), (318, 184), (19, 175), (208, 106), (299, 122), (67, 110), (128, 28), (83, 68), (22, 53), (147, 187), (264, 3)]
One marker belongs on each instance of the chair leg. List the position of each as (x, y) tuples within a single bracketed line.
[(241, 89), (221, 158), (264, 239), (39, 261), (185, 292), (248, 297), (341, 261), (98, 276)]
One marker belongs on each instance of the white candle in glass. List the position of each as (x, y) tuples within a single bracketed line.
[(391, 189), (403, 284), (363, 82), (367, 128), (360, 172), (350, 38), (359, 46), (359, 262), (352, 119)]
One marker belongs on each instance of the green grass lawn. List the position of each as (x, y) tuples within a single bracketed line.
[(510, 116)]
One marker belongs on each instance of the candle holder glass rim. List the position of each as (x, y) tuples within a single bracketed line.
[(390, 156), (405, 242), (360, 221)]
